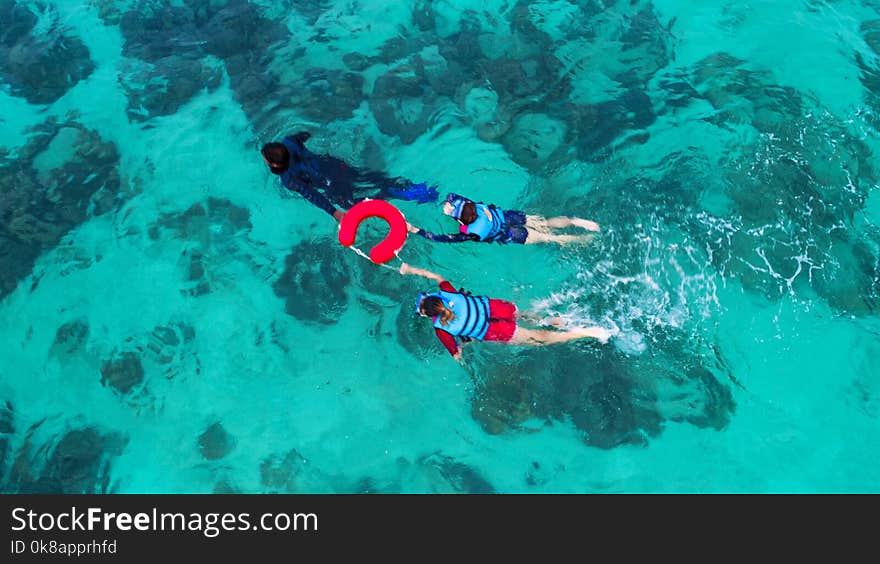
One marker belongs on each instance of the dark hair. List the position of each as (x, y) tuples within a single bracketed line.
[(433, 306), (468, 213), (277, 155)]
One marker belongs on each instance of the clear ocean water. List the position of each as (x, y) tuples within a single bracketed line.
[(172, 321)]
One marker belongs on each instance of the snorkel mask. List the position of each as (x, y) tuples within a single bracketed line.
[(418, 310), (457, 204)]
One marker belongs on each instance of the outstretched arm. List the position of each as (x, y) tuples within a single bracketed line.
[(454, 238), (449, 342), (300, 137), (407, 269), (317, 199)]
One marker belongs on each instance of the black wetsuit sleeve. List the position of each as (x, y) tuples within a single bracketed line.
[(315, 198), (453, 238), (300, 138)]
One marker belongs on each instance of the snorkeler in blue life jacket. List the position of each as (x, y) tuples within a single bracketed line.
[(487, 223), (328, 182)]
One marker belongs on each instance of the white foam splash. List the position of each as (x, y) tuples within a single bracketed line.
[(675, 287)]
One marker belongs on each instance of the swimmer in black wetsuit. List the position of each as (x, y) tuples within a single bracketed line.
[(328, 182)]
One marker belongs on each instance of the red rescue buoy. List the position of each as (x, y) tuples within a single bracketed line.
[(387, 249)]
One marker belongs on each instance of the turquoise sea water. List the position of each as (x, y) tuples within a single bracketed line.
[(172, 321)]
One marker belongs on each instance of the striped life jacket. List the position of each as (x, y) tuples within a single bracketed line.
[(471, 314), (489, 224)]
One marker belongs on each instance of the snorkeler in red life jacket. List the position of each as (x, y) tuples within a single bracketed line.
[(460, 315)]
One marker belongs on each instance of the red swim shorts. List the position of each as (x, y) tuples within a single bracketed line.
[(502, 324)]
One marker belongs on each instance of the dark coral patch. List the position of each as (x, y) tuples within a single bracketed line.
[(77, 462), (314, 283), (64, 175), (123, 372), (215, 442), (41, 68)]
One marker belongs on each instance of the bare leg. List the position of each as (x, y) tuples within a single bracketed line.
[(544, 225), (537, 223), (562, 221), (534, 319), (544, 237), (539, 337)]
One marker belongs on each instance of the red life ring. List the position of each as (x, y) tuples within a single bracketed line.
[(387, 249)]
